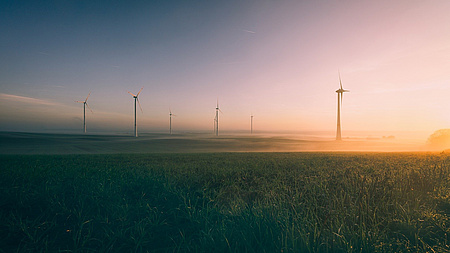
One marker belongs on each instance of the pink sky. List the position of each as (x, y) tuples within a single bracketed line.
[(276, 59)]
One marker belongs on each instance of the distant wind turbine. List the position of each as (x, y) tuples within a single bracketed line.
[(251, 123), (216, 120), (136, 99), (340, 93), (170, 120), (84, 110)]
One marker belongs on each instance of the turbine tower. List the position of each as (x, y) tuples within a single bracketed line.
[(251, 123), (84, 110), (216, 120), (136, 99), (170, 120), (340, 93)]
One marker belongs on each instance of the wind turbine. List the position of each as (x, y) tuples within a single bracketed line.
[(170, 120), (136, 99), (251, 123), (216, 120), (340, 93), (84, 110)]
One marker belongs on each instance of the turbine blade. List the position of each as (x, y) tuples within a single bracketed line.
[(139, 91), (79, 101), (89, 107), (139, 104), (340, 82), (220, 111), (131, 94), (342, 97), (87, 97)]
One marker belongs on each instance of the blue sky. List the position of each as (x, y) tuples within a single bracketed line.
[(276, 59)]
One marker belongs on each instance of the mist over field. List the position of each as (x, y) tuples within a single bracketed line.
[(46, 143)]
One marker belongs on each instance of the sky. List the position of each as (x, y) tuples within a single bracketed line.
[(278, 60)]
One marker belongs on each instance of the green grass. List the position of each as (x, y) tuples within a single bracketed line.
[(225, 202)]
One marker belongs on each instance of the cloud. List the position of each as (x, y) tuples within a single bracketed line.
[(248, 31), (27, 100)]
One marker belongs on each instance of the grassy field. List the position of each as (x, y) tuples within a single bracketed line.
[(225, 202)]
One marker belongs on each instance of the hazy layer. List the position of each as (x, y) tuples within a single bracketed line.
[(38, 143)]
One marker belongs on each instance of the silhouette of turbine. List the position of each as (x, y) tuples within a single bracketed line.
[(136, 99), (84, 110), (251, 123), (340, 93), (170, 120), (216, 120)]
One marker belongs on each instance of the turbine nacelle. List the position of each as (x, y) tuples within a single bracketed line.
[(85, 102), (217, 107), (136, 98), (342, 91)]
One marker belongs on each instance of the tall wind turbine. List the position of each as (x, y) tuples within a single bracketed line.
[(340, 93), (84, 110), (136, 99), (170, 120), (216, 120)]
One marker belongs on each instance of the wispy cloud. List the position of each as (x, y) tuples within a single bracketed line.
[(27, 100), (247, 31)]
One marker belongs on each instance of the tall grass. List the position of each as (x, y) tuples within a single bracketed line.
[(228, 202)]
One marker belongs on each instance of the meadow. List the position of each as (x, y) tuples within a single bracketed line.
[(225, 202)]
